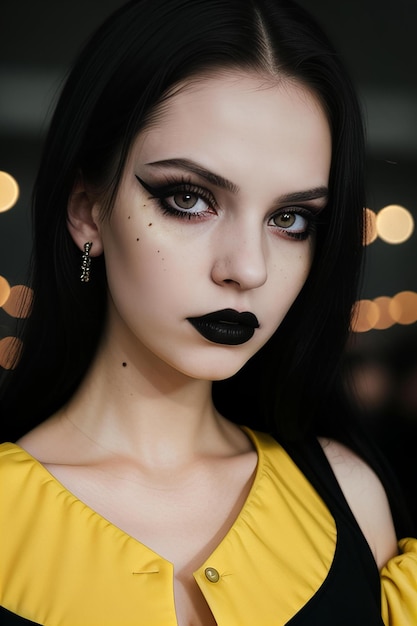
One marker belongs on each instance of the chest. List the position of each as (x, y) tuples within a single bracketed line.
[(182, 523), (278, 563)]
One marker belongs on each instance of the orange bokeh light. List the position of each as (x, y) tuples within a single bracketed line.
[(403, 307), (10, 349), (9, 191), (365, 316), (4, 290), (383, 312), (385, 319), (19, 302), (370, 233)]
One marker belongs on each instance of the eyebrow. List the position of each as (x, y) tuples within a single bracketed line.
[(317, 193), (190, 166)]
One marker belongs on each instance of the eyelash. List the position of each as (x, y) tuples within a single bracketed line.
[(182, 186), (176, 187)]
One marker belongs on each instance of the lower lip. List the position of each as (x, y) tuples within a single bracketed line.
[(223, 333)]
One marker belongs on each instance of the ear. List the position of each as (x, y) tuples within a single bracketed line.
[(83, 218)]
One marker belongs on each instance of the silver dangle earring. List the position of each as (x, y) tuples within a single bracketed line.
[(86, 263)]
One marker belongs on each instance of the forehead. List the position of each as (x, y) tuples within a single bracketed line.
[(237, 120)]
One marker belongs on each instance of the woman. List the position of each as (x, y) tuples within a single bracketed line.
[(204, 166)]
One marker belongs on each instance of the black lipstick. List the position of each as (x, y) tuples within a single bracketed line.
[(227, 327)]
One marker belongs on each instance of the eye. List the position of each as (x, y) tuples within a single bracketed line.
[(190, 202), (285, 220), (181, 199), (185, 200), (296, 223)]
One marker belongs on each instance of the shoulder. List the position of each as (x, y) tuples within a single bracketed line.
[(10, 455), (17, 488), (366, 498), (15, 468)]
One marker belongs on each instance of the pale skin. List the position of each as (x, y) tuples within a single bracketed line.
[(141, 441)]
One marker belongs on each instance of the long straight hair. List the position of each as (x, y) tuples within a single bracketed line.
[(124, 72)]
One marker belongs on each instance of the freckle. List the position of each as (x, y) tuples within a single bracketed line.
[(158, 251), (128, 217), (124, 364)]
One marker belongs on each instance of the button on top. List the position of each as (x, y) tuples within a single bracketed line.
[(212, 575)]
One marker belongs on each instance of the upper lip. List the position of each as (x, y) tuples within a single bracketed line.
[(230, 316)]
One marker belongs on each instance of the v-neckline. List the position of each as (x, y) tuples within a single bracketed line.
[(58, 484)]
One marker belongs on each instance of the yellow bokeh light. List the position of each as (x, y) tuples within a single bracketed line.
[(365, 316), (370, 233), (403, 307), (385, 319), (10, 349), (394, 224), (4, 290), (19, 302), (9, 191)]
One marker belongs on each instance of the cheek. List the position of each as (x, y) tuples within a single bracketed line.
[(293, 262), (148, 268), (301, 269), (287, 279)]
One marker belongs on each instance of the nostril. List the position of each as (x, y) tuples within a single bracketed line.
[(230, 281)]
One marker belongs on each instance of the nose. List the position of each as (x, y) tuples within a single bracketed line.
[(240, 258)]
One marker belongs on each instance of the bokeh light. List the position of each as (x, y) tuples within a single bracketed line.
[(365, 316), (370, 233), (383, 312), (10, 349), (403, 307), (385, 319), (4, 290), (19, 302), (9, 191), (394, 224)]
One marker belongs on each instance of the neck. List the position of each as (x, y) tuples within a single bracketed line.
[(144, 409)]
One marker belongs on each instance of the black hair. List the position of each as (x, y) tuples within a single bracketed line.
[(126, 69)]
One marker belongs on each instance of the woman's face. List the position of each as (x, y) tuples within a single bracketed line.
[(215, 217)]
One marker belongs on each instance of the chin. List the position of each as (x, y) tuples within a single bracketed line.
[(216, 373)]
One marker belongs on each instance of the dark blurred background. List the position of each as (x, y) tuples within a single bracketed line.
[(377, 39)]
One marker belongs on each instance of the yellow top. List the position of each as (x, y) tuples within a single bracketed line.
[(399, 586), (63, 564)]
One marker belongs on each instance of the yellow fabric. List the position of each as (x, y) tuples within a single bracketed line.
[(62, 564), (399, 586)]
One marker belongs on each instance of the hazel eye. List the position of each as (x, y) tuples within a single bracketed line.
[(185, 200), (284, 220), (297, 223), (182, 199)]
